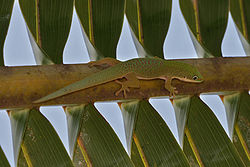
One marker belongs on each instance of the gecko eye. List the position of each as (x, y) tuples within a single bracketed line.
[(195, 77)]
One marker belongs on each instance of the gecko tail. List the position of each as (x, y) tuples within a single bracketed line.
[(82, 84), (43, 99), (54, 95), (98, 78)]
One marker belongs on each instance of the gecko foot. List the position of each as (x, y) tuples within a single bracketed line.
[(173, 92), (123, 89)]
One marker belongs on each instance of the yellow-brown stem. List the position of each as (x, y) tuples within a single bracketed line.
[(20, 86)]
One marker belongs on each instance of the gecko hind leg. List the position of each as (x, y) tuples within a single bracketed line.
[(103, 63), (131, 82)]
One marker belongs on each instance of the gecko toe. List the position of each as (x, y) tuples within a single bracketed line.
[(123, 89), (173, 92), (124, 93), (118, 92), (119, 82)]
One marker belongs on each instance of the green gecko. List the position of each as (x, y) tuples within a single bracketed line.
[(134, 70)]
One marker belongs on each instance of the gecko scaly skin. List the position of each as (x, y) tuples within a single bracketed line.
[(133, 70)]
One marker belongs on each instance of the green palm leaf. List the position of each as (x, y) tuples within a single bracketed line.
[(149, 21), (35, 141), (101, 23), (207, 22), (153, 144), (5, 14), (238, 106), (206, 137), (48, 25), (3, 159), (241, 16), (92, 140)]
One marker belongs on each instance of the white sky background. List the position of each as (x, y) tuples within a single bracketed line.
[(177, 45)]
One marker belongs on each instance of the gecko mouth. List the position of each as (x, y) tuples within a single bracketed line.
[(189, 80)]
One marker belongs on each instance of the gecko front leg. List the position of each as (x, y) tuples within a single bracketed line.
[(168, 85), (131, 82)]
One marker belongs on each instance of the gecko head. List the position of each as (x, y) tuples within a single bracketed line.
[(191, 74), (194, 76)]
